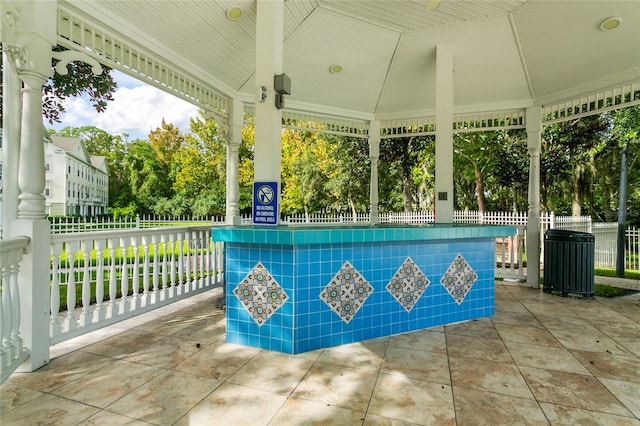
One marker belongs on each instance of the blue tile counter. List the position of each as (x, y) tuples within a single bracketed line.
[(294, 289)]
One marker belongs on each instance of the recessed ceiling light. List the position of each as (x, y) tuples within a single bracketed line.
[(611, 23), (432, 4), (335, 68), (234, 13)]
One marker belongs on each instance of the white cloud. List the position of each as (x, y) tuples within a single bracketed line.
[(134, 111)]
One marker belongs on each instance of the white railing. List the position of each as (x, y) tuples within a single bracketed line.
[(319, 218), (407, 217), (64, 225), (12, 352), (510, 259), (606, 246), (633, 249), (570, 223), (605, 251), (120, 274)]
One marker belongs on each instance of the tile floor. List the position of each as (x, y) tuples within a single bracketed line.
[(541, 359)]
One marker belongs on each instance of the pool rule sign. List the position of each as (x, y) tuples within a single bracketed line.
[(265, 203)]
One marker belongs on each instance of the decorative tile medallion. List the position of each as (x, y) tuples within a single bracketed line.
[(346, 292), (459, 278), (260, 294), (408, 284)]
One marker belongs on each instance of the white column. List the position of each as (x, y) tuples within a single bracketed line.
[(11, 107), (444, 133), (374, 155), (534, 131), (35, 36), (269, 62), (31, 174), (234, 139)]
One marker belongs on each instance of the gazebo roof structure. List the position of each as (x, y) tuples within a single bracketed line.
[(373, 69), (508, 55)]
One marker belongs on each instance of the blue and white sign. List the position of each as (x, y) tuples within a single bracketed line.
[(265, 203)]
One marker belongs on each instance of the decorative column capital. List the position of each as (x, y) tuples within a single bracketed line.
[(17, 57), (233, 145)]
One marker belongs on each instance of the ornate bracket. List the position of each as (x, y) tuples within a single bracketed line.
[(72, 56), (222, 122)]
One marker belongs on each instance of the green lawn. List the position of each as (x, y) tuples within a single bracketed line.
[(603, 290), (79, 262), (633, 275), (78, 288)]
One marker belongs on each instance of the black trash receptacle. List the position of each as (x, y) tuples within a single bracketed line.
[(569, 262)]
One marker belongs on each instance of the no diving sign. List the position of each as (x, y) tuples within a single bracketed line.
[(265, 203)]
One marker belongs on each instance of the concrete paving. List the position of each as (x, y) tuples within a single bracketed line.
[(541, 359)]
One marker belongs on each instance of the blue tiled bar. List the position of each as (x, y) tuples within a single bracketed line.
[(296, 289)]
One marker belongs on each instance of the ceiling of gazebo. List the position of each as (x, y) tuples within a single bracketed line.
[(507, 54)]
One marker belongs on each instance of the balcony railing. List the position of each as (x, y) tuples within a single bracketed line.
[(12, 353), (98, 278)]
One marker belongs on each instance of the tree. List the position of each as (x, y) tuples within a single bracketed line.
[(304, 154), (625, 131), (405, 162), (348, 173), (490, 170), (199, 169), (166, 141), (567, 166), (472, 150), (147, 177), (245, 168), (511, 173), (97, 141), (79, 80)]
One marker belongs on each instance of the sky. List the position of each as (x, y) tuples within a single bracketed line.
[(136, 109)]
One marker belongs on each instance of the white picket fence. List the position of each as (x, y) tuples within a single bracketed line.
[(606, 246), (605, 233), (65, 225)]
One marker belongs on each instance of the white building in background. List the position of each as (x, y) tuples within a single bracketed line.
[(77, 184)]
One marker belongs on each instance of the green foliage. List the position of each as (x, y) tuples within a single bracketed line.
[(625, 130), (148, 178), (348, 170), (406, 173), (628, 274), (79, 79), (567, 167), (123, 212), (304, 171), (199, 169), (175, 174)]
